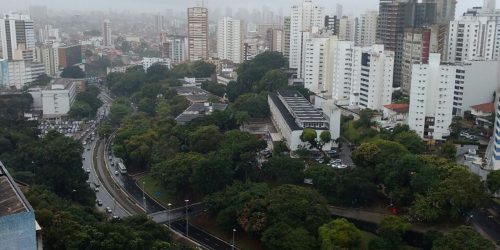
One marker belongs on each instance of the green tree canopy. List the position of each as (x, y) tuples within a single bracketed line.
[(339, 234), (73, 72), (254, 104), (493, 181), (272, 81), (285, 170), (462, 237)]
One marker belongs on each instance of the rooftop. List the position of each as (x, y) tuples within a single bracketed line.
[(12, 200), (398, 107), (484, 107), (198, 110)]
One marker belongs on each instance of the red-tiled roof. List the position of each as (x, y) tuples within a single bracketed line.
[(398, 107), (485, 107)]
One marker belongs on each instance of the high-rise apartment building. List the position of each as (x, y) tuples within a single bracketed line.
[(372, 77), (70, 55), (230, 39), (367, 26), (475, 36), (445, 10), (441, 91), (274, 39), (332, 24), (286, 36), (174, 48), (317, 67), (17, 37), (106, 34), (343, 53), (416, 49), (159, 23), (197, 33), (489, 4), (347, 28), (339, 10), (305, 18), (48, 35), (48, 55)]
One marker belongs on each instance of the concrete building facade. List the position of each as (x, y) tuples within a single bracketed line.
[(197, 33), (230, 39)]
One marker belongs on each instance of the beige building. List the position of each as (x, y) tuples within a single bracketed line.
[(197, 33)]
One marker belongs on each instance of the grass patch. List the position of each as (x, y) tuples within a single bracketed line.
[(154, 189), (242, 240)]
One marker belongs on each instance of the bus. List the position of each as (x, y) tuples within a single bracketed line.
[(122, 168)]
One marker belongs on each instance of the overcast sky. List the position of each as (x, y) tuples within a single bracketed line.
[(350, 6)]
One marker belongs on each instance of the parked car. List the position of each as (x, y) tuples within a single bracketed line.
[(98, 202)]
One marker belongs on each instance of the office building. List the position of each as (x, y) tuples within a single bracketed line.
[(18, 227), (367, 34), (230, 40), (197, 33), (291, 113), (441, 91), (286, 37), (49, 56), (48, 35), (475, 36), (159, 23), (107, 41), (69, 55), (23, 72), (55, 100), (17, 37), (347, 28), (445, 10), (306, 18), (372, 77)]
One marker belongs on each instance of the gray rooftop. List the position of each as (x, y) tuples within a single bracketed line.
[(12, 200), (198, 110), (300, 108)]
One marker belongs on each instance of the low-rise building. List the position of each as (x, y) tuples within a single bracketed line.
[(482, 114), (197, 110), (55, 100), (396, 113), (150, 61), (291, 113), (18, 227)]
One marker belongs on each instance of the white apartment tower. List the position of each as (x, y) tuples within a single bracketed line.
[(197, 33), (17, 37), (305, 18), (343, 53), (367, 34), (441, 91), (373, 69), (476, 36), (316, 63), (48, 55), (347, 28), (230, 39), (106, 34)]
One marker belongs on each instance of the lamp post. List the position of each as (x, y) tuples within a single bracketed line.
[(168, 214), (144, 197), (187, 222), (232, 246)]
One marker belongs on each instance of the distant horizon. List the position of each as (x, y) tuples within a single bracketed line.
[(154, 6)]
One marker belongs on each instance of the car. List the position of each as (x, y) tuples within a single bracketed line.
[(98, 202), (96, 189), (115, 217), (88, 149), (83, 158), (87, 170), (108, 210), (116, 172), (343, 166), (337, 161), (112, 163), (97, 184)]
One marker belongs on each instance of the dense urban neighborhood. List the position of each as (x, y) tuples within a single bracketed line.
[(213, 126)]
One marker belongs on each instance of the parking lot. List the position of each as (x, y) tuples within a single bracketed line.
[(74, 129)]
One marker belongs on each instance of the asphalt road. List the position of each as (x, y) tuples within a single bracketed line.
[(201, 236)]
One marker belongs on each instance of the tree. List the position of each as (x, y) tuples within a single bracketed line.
[(272, 81), (365, 155), (80, 110), (448, 150), (175, 173), (242, 117), (205, 139), (119, 110), (456, 127), (213, 173), (73, 72), (493, 181), (285, 170), (310, 136), (58, 161), (214, 88), (339, 234), (42, 80), (282, 236), (254, 104), (462, 237), (156, 72), (105, 130), (202, 69), (411, 141), (391, 230)]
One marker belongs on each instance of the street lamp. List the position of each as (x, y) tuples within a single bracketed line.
[(168, 214), (144, 197), (232, 246), (187, 222)]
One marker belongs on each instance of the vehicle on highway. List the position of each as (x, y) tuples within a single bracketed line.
[(96, 189), (98, 202), (108, 210), (115, 217), (122, 168), (116, 172), (87, 170)]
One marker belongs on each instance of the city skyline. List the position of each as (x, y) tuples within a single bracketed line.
[(349, 7)]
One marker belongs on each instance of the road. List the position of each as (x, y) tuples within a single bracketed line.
[(200, 236)]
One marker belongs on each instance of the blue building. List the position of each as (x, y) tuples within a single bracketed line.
[(18, 228)]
